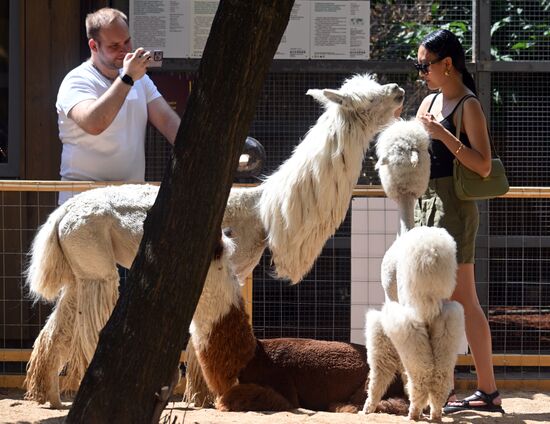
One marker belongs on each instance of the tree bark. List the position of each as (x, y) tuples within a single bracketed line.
[(139, 348)]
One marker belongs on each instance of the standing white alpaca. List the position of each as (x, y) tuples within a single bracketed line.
[(421, 329), (294, 212), (416, 329)]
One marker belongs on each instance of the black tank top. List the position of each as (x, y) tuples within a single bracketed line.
[(441, 157)]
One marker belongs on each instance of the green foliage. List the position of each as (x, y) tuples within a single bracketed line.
[(398, 27), (517, 34)]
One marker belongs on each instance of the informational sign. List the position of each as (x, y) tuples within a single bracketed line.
[(295, 41), (160, 25), (201, 17), (340, 29), (317, 29)]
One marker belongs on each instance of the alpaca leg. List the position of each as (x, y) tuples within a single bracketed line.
[(437, 400), (444, 343), (382, 359), (95, 302), (412, 342), (253, 397), (196, 389), (418, 394), (51, 350)]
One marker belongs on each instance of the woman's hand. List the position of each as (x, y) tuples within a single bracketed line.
[(397, 112), (434, 128)]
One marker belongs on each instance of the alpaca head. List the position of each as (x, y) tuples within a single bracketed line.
[(221, 269), (426, 271), (361, 99), (403, 159)]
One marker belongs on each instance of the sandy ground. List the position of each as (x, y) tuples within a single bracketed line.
[(520, 406)]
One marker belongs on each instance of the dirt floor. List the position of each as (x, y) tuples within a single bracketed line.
[(520, 406)]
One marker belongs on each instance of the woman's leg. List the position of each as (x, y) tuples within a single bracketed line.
[(477, 330)]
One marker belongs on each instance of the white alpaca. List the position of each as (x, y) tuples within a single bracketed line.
[(421, 330), (293, 212), (416, 331)]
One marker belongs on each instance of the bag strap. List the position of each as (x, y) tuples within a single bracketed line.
[(433, 101), (459, 122)]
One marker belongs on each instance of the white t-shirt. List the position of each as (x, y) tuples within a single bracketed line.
[(118, 153)]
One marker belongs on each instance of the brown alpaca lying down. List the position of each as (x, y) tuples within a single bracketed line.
[(247, 374), (303, 373)]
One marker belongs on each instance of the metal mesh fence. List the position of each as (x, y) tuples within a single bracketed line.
[(520, 125), (397, 27), (20, 320), (521, 30)]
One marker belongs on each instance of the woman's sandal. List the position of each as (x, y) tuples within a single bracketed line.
[(452, 393), (478, 396)]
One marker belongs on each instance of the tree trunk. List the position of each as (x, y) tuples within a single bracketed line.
[(139, 348)]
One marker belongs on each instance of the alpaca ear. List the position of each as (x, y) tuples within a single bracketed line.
[(318, 95), (381, 161), (414, 158), (335, 97), (327, 95)]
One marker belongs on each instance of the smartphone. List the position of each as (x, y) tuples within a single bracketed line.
[(155, 60)]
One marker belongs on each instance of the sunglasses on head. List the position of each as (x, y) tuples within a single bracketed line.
[(424, 68)]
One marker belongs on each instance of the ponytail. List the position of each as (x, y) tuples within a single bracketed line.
[(468, 80)]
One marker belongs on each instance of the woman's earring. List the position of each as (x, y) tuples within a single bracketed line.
[(447, 72)]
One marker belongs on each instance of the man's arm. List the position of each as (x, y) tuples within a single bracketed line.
[(94, 116), (163, 118)]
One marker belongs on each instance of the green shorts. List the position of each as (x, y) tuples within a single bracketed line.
[(439, 207)]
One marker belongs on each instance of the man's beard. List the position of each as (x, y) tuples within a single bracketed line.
[(111, 64)]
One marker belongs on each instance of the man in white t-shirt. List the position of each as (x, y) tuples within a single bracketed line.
[(104, 105)]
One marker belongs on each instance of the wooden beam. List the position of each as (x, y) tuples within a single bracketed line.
[(359, 191), (16, 382), (510, 360)]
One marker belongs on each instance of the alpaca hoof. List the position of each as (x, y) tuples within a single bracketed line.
[(414, 414), (369, 408), (434, 416), (56, 404)]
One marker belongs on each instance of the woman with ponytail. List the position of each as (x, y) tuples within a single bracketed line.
[(442, 65)]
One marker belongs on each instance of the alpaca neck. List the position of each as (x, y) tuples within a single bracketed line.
[(227, 349), (220, 293), (406, 213), (305, 201)]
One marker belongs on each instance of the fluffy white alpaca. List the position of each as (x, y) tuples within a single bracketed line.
[(404, 169), (416, 331), (421, 330), (293, 212)]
